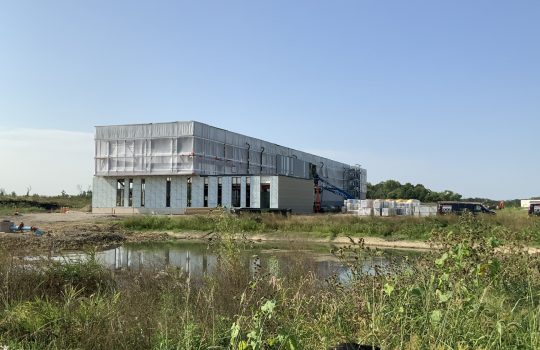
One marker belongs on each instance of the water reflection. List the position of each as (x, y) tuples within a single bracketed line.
[(192, 259), (198, 259)]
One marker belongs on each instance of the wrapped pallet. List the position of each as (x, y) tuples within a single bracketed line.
[(366, 203), (367, 211), (388, 212), (426, 210)]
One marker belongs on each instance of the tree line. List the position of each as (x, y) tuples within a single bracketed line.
[(392, 189)]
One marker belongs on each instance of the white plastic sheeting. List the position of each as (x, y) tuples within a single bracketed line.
[(196, 148), (388, 207), (167, 155), (144, 131)]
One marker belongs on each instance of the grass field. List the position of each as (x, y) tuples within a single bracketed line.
[(468, 295), (37, 204), (332, 225)]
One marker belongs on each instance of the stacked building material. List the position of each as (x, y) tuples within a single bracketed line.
[(388, 211), (352, 204), (383, 207), (387, 208), (366, 207), (366, 203), (406, 207), (426, 210), (377, 206)]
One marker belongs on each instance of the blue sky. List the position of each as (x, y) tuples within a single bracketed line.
[(443, 93)]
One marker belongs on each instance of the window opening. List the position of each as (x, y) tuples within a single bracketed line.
[(235, 192), (205, 192), (248, 192), (168, 193), (120, 185), (143, 188), (265, 196), (189, 183), (219, 191), (130, 193)]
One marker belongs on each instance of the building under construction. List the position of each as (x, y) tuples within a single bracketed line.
[(169, 167)]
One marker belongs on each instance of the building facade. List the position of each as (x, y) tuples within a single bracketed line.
[(169, 167)]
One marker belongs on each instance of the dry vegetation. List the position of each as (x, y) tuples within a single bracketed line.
[(468, 295), (332, 225), (10, 204)]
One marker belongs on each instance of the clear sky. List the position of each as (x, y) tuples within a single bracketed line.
[(443, 93)]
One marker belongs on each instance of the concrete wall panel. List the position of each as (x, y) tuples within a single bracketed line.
[(243, 192), (197, 192), (255, 191), (227, 191), (296, 194), (103, 192), (212, 191)]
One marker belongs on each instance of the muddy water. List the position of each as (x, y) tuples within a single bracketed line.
[(198, 259)]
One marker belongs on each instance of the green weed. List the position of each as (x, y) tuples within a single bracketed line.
[(478, 290)]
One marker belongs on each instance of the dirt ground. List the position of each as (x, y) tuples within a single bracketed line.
[(81, 230), (63, 231)]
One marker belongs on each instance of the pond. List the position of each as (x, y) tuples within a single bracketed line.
[(198, 258)]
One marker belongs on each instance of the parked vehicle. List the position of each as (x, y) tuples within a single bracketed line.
[(461, 207), (534, 209)]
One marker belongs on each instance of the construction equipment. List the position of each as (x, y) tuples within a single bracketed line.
[(325, 185), (351, 181), (322, 184)]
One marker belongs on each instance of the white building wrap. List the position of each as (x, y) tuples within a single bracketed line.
[(162, 168)]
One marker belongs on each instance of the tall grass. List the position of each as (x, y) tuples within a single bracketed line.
[(331, 226), (10, 204), (221, 222), (470, 294)]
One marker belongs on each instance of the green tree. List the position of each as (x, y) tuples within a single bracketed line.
[(392, 189)]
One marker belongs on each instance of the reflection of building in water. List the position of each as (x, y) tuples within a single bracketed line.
[(197, 262), (192, 262)]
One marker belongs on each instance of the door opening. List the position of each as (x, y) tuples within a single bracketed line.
[(265, 196)]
